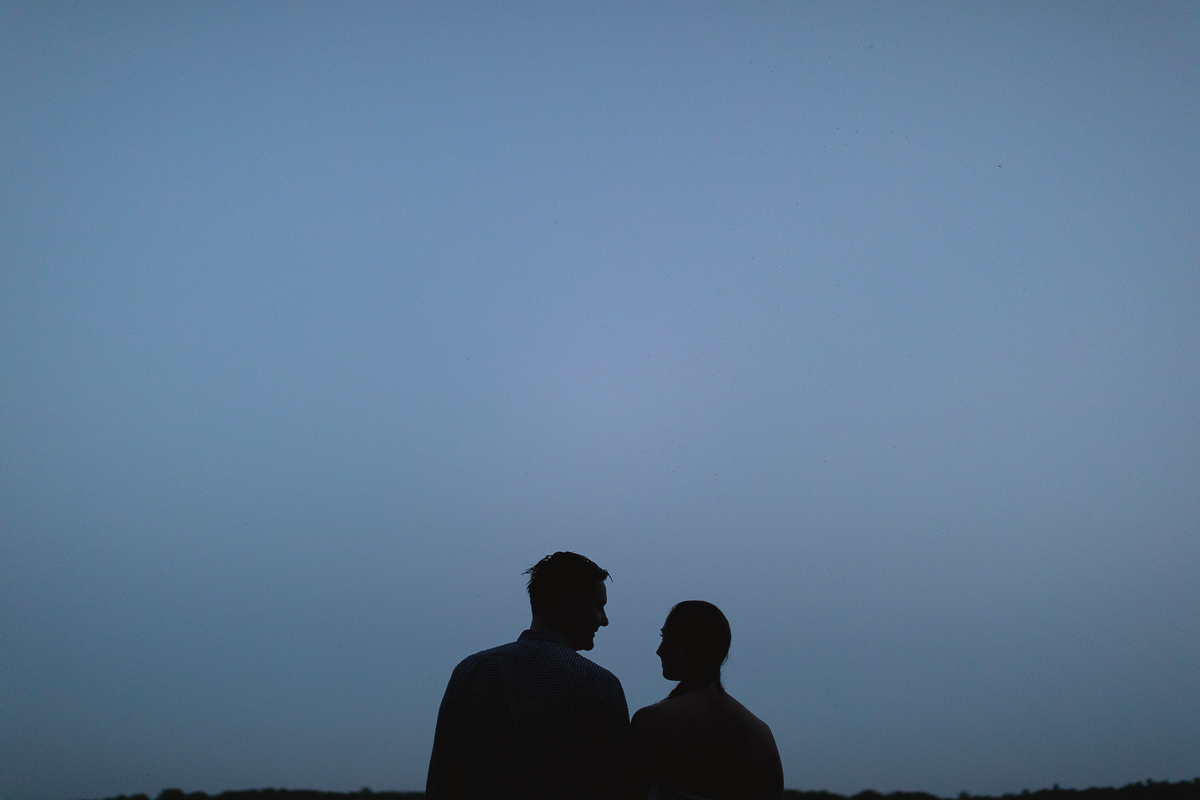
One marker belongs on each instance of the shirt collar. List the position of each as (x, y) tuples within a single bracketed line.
[(544, 635)]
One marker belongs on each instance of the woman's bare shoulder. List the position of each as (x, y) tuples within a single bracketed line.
[(662, 712), (734, 707)]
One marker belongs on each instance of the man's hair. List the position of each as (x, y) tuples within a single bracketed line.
[(557, 578)]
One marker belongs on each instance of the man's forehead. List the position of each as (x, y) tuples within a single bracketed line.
[(601, 592)]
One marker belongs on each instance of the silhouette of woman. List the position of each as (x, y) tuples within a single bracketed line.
[(700, 742)]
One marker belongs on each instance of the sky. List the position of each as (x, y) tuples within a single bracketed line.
[(875, 324)]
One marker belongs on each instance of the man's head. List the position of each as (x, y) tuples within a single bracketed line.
[(567, 593)]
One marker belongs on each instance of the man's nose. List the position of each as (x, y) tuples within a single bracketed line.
[(603, 619)]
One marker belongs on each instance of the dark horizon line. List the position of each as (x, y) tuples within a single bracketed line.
[(1148, 789)]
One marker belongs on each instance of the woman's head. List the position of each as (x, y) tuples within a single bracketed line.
[(695, 642)]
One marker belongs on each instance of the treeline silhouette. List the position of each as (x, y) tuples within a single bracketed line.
[(1148, 790)]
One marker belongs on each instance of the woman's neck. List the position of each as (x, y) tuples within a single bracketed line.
[(688, 685)]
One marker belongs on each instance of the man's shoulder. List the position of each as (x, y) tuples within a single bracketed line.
[(498, 651), (585, 666), (554, 648), (491, 655), (600, 674), (537, 648)]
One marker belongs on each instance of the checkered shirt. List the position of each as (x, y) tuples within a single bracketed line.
[(530, 720)]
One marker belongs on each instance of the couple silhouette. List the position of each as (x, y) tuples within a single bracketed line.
[(535, 720)]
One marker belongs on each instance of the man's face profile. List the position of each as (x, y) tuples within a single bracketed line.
[(589, 617)]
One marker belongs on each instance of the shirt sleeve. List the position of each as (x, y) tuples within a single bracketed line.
[(614, 731), (444, 781)]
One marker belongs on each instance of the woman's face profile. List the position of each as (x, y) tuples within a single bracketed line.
[(669, 652)]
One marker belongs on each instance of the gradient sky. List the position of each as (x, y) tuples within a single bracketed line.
[(876, 324)]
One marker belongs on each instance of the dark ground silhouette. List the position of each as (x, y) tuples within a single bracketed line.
[(1147, 790)]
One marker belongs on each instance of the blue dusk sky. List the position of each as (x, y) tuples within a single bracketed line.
[(876, 324)]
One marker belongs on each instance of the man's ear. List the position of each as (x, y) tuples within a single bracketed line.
[(574, 608)]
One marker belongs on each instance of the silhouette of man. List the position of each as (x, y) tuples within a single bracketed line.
[(534, 718)]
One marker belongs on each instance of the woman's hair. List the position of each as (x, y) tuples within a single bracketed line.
[(700, 630)]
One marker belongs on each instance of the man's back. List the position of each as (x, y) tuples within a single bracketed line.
[(530, 719)]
